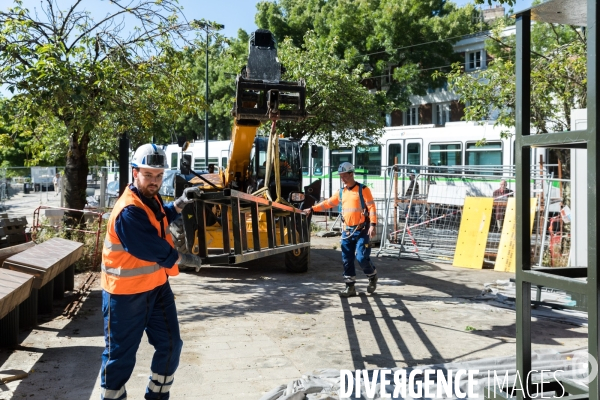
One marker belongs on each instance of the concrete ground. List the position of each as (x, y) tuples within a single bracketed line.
[(248, 329), (23, 205)]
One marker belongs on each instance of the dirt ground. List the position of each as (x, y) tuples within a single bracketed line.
[(252, 327)]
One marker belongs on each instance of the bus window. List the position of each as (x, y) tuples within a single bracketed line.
[(413, 154), (368, 159), (224, 162), (339, 156), (489, 153), (394, 154), (445, 154), (174, 164)]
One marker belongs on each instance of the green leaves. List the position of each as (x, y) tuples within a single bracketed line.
[(378, 36), (78, 83), (558, 75), (343, 110)]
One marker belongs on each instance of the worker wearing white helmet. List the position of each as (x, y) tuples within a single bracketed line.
[(137, 258), (359, 215)]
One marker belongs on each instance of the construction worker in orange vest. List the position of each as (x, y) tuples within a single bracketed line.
[(360, 219), (137, 258)]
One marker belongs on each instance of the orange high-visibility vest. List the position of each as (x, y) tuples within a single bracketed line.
[(351, 210), (122, 273)]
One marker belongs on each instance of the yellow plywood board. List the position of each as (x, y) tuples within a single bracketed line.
[(507, 259), (474, 228)]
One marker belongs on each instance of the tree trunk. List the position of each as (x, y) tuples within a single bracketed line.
[(76, 171)]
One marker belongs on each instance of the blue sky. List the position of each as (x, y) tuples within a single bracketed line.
[(234, 14), (521, 4)]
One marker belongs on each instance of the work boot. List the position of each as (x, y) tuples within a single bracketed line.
[(372, 284), (350, 291)]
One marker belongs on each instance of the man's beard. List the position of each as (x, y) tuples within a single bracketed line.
[(149, 191)]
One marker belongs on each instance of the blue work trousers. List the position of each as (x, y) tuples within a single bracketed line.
[(355, 246), (126, 317)]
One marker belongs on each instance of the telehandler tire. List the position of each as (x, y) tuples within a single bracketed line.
[(297, 261)]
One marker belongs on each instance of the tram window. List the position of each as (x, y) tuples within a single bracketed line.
[(312, 166), (394, 154), (200, 163), (174, 164), (368, 159), (339, 156), (317, 165), (305, 162), (489, 153), (445, 154), (413, 154)]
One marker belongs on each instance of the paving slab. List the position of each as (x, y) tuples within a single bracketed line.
[(247, 329)]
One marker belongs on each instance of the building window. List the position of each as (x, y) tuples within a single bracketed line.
[(442, 113), (386, 79), (412, 116), (475, 60)]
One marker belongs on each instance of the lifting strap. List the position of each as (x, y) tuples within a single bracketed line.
[(360, 196), (272, 162)]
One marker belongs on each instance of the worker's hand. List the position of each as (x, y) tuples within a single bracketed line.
[(372, 231), (190, 260), (308, 211), (187, 197)]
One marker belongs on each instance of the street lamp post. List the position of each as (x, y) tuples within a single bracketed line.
[(207, 26), (206, 110)]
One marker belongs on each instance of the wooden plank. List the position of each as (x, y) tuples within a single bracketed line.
[(507, 259), (15, 287), (12, 250), (473, 233), (46, 260)]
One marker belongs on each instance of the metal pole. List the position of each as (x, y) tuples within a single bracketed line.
[(523, 195), (123, 163), (206, 110)]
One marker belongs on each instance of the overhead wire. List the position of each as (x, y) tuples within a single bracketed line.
[(479, 33)]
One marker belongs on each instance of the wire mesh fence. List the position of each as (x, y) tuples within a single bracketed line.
[(424, 210)]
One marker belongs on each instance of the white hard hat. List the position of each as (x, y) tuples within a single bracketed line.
[(149, 156), (345, 167)]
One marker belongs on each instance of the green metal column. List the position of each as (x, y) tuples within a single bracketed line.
[(523, 155), (593, 173)]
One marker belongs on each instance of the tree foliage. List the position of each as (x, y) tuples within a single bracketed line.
[(86, 78), (342, 109), (410, 37), (558, 79)]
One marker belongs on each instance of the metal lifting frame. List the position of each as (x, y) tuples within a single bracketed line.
[(571, 12), (240, 204)]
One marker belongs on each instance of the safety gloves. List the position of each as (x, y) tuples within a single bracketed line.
[(190, 260), (187, 197)]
